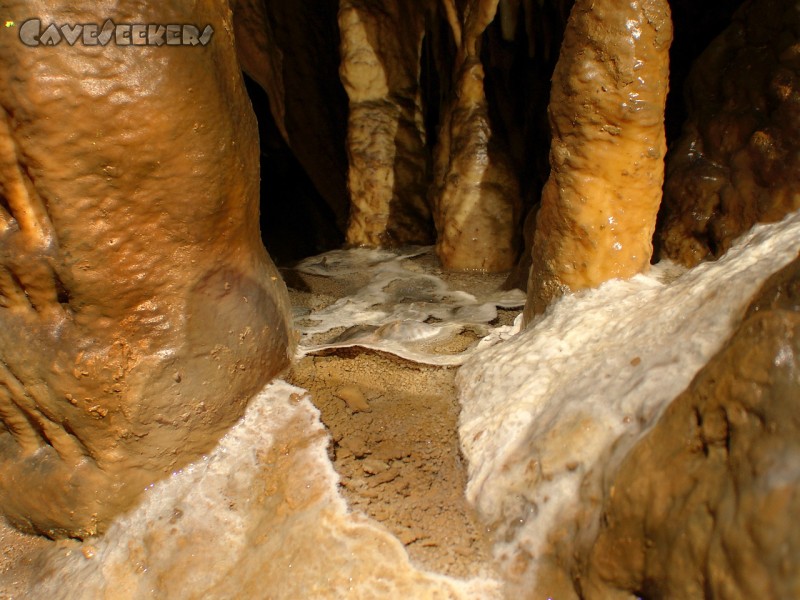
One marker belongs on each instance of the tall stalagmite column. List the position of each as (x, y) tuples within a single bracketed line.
[(475, 190), (139, 311), (599, 205), (380, 68)]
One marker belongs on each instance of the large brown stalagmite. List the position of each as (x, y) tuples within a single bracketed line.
[(380, 70), (738, 160), (138, 309), (599, 205), (475, 190)]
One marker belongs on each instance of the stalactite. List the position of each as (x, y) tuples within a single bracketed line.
[(599, 205)]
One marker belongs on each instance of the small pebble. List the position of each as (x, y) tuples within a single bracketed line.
[(373, 466), (354, 398)]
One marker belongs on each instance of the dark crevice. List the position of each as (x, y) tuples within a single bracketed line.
[(430, 84), (71, 432), (62, 293), (436, 77), (4, 205), (34, 425), (713, 247), (295, 219), (728, 437), (695, 25), (16, 282)]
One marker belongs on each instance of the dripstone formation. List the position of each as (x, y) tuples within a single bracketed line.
[(139, 310)]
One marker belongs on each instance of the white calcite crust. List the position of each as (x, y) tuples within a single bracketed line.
[(548, 413), (259, 517)]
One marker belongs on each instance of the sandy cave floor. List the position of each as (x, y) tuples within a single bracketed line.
[(393, 427), (394, 445)]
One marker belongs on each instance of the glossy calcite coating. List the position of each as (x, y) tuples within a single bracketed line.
[(599, 206), (381, 46), (475, 192), (138, 309)]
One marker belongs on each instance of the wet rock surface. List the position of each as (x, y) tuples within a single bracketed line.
[(269, 508), (138, 309), (706, 504), (737, 162), (549, 415), (599, 206), (390, 521), (138, 313)]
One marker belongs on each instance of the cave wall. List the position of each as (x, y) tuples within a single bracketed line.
[(413, 122), (736, 162), (292, 51), (706, 504), (733, 166)]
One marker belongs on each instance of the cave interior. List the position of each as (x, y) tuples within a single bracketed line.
[(519, 49)]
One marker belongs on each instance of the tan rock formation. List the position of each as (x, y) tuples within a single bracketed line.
[(707, 504), (738, 161), (599, 205), (138, 309), (380, 70), (475, 191)]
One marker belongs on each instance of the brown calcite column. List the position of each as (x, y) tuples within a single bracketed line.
[(475, 192), (599, 206), (737, 162), (381, 46), (138, 309)]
